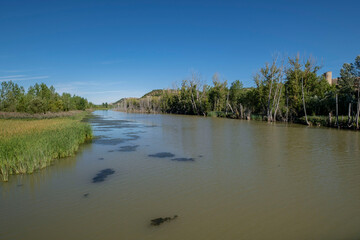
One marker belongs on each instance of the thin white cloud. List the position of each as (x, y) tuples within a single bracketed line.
[(22, 78), (11, 71), (13, 76)]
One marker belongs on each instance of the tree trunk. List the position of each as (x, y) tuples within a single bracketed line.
[(274, 102), (303, 97), (337, 112), (227, 103), (268, 107), (358, 106), (287, 108), (278, 103), (194, 103), (357, 114), (349, 115), (241, 111), (232, 110)]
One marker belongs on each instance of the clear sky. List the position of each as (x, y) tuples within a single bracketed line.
[(105, 50)]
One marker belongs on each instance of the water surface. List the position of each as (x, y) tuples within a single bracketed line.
[(224, 179)]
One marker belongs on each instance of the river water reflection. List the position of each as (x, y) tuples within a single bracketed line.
[(224, 179)]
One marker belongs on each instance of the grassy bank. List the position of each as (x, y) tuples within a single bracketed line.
[(344, 122), (28, 145)]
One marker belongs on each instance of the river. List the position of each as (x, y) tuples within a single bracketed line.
[(223, 178)]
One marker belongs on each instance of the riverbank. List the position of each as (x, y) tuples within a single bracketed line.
[(314, 121), (27, 145)]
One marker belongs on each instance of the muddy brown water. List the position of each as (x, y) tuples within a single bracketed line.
[(233, 180)]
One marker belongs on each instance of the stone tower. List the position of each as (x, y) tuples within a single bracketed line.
[(328, 77)]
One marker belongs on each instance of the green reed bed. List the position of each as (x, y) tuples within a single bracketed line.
[(29, 145)]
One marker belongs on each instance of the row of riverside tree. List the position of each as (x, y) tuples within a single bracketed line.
[(38, 99), (290, 91)]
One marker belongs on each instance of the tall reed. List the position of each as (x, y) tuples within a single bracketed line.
[(29, 145)]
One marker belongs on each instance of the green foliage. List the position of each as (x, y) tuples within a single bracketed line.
[(216, 114), (316, 88), (282, 91), (267, 82), (348, 85), (153, 93), (218, 94), (325, 121), (38, 99)]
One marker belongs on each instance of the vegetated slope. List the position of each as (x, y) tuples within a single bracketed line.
[(149, 103)]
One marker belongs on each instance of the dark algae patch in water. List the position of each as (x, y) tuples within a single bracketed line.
[(128, 148), (170, 155), (102, 130), (135, 132), (183, 159), (133, 137), (115, 141), (109, 141), (102, 175), (101, 158), (162, 155), (118, 126), (159, 221)]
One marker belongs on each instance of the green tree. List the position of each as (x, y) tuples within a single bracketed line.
[(304, 85), (348, 84), (267, 90), (218, 94), (237, 98)]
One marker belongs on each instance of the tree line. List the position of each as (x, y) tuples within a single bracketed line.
[(290, 91), (38, 99)]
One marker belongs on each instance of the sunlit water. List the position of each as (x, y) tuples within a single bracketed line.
[(228, 179)]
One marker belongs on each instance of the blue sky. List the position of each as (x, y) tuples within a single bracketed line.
[(106, 50)]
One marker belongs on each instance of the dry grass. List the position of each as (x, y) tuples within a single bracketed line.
[(13, 128), (18, 115)]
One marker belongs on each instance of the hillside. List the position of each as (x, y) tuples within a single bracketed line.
[(152, 93)]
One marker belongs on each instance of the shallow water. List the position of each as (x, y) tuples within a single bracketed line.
[(245, 180)]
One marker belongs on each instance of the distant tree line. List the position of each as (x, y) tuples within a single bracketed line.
[(38, 99), (291, 90)]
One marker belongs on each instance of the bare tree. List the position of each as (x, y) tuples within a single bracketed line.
[(271, 84)]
